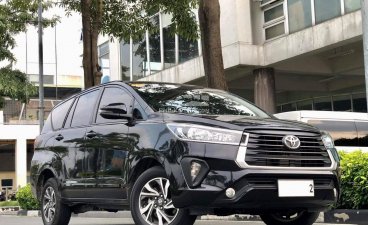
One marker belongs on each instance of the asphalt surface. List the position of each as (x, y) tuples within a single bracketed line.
[(22, 220)]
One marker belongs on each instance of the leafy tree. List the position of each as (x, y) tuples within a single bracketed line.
[(15, 15), (131, 18)]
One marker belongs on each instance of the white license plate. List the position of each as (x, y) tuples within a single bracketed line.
[(296, 188)]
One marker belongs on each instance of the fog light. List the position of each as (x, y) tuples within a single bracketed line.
[(195, 168), (230, 193)]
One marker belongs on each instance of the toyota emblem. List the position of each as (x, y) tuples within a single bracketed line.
[(291, 142)]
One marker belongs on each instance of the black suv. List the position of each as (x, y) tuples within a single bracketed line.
[(171, 152)]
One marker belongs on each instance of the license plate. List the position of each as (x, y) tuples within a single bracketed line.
[(296, 188)]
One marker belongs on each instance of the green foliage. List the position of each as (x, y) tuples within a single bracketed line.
[(354, 180), (26, 199), (9, 203), (131, 18), (15, 15), (14, 84)]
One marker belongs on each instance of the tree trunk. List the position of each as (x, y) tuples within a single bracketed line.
[(87, 43), (97, 24), (209, 19)]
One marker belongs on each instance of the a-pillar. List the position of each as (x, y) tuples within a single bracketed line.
[(21, 163), (264, 89)]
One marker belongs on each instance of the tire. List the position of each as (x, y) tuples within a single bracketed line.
[(292, 218), (52, 210), (150, 201)]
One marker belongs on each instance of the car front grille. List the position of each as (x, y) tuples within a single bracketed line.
[(265, 148)]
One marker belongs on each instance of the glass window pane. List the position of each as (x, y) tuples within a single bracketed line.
[(352, 5), (326, 10), (169, 47), (274, 13), (125, 61), (59, 114), (323, 104), (305, 105), (275, 31), (155, 49), (359, 103), (113, 95), (187, 49), (289, 107), (140, 59), (300, 14), (84, 109), (342, 103)]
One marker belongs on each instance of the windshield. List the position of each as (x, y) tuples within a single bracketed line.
[(172, 98)]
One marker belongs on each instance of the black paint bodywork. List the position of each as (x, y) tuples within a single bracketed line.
[(135, 145)]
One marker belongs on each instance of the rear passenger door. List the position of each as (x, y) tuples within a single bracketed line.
[(108, 147), (73, 137)]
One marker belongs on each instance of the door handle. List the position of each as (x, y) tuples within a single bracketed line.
[(59, 137), (91, 134)]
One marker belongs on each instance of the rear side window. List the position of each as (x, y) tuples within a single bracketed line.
[(59, 113), (344, 133), (113, 95), (362, 133), (84, 109)]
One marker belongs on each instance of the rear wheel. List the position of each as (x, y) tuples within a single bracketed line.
[(290, 218), (151, 202), (52, 210)]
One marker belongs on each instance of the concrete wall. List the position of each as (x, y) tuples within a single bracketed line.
[(20, 133)]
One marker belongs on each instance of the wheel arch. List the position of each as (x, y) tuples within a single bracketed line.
[(46, 174)]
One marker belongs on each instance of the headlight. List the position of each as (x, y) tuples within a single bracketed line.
[(327, 140), (205, 134)]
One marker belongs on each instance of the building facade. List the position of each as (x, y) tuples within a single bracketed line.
[(62, 77), (309, 53)]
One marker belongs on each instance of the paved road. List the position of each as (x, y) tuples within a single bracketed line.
[(15, 220)]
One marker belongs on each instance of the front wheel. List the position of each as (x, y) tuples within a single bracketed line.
[(53, 211), (151, 202), (290, 218)]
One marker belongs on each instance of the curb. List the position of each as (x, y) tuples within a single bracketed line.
[(347, 216)]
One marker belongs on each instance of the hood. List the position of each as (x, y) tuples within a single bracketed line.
[(239, 122)]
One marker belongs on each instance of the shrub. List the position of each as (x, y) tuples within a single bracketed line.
[(354, 180), (9, 204), (26, 199)]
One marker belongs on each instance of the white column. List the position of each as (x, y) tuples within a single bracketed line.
[(21, 162)]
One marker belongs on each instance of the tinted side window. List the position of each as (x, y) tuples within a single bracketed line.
[(83, 110), (113, 95), (362, 133), (59, 113), (344, 133)]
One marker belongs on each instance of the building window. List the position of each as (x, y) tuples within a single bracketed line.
[(323, 104), (326, 10), (275, 31), (299, 15), (187, 49), (155, 45), (125, 61), (342, 103), (352, 5), (104, 58), (359, 102), (140, 68), (169, 41), (274, 18)]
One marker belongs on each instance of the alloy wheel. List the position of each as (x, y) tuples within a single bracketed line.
[(155, 204), (49, 204)]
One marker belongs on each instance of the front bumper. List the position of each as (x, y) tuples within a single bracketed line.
[(257, 191)]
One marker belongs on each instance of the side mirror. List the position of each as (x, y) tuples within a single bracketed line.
[(115, 111)]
